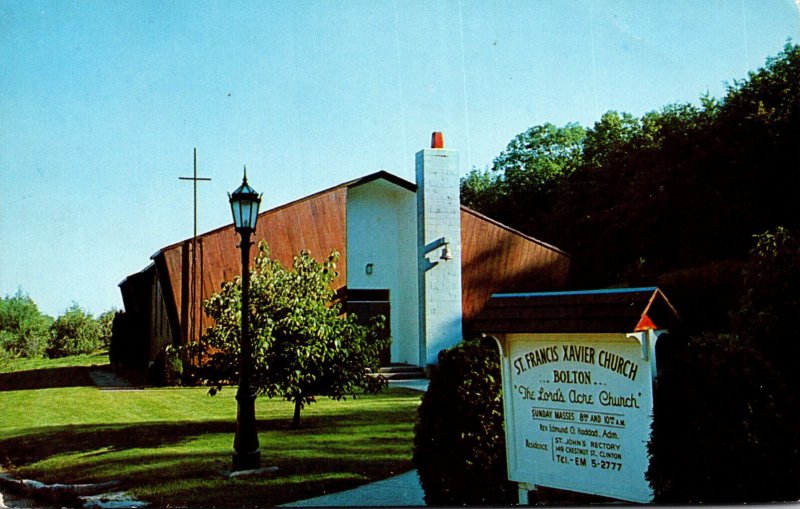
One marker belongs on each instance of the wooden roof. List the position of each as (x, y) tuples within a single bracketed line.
[(315, 223), (494, 257), (610, 310)]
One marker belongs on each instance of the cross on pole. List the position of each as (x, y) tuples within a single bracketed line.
[(194, 180)]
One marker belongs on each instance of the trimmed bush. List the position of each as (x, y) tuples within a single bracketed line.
[(459, 442), (722, 429)]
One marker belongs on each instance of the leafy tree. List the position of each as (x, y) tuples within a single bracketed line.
[(607, 140), (770, 303), (540, 155), (482, 190), (517, 188), (105, 321), (303, 346), (73, 333), (24, 331)]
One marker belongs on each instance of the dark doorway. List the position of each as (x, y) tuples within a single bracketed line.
[(368, 303)]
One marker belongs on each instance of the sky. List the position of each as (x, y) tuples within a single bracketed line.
[(103, 102)]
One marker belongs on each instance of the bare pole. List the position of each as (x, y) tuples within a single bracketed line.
[(193, 286)]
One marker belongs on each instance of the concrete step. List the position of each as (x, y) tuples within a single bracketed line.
[(402, 372)]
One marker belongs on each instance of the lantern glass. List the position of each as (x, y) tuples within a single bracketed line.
[(244, 206)]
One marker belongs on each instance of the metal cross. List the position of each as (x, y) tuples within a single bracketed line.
[(194, 180)]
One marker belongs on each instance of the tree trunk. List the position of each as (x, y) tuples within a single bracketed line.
[(298, 404)]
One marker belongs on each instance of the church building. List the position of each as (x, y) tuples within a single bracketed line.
[(409, 251)]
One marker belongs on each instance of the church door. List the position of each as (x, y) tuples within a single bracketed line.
[(368, 303)]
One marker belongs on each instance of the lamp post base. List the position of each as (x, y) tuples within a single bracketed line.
[(246, 453), (246, 460)]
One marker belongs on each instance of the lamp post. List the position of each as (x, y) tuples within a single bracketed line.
[(246, 455)]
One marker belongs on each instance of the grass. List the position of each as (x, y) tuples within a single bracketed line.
[(172, 446)]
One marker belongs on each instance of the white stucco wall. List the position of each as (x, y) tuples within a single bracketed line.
[(382, 230)]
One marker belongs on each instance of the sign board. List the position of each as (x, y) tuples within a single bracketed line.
[(578, 409)]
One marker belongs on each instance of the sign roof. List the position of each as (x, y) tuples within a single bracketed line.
[(605, 310)]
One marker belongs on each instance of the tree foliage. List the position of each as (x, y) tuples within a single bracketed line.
[(680, 187), (27, 332), (75, 332), (770, 303), (106, 321), (24, 330), (522, 174), (303, 346)]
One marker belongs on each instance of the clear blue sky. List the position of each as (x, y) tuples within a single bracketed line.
[(101, 104)]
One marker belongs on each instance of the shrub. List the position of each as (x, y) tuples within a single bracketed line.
[(167, 369), (459, 442), (722, 430), (73, 333)]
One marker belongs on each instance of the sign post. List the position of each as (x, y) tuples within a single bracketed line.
[(578, 405)]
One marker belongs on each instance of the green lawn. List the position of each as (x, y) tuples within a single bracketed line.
[(172, 446)]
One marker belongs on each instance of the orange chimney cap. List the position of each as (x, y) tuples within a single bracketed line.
[(437, 140)]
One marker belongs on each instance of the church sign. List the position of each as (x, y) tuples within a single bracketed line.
[(578, 398)]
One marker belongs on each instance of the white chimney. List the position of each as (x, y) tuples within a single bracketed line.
[(439, 247)]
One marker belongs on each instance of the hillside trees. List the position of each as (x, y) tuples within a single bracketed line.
[(681, 187), (303, 346)]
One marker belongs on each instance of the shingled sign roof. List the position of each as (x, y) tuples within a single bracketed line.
[(611, 310)]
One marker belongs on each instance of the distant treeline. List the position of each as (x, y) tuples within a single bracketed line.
[(27, 332), (674, 196)]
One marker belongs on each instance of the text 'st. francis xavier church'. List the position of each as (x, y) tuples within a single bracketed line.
[(409, 251)]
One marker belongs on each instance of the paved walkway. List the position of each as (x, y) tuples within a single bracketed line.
[(418, 385), (397, 491), (108, 378), (400, 490)]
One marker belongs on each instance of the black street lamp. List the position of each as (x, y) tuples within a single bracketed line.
[(246, 455)]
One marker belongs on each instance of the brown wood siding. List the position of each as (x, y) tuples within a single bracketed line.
[(159, 333), (495, 258), (316, 223)]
